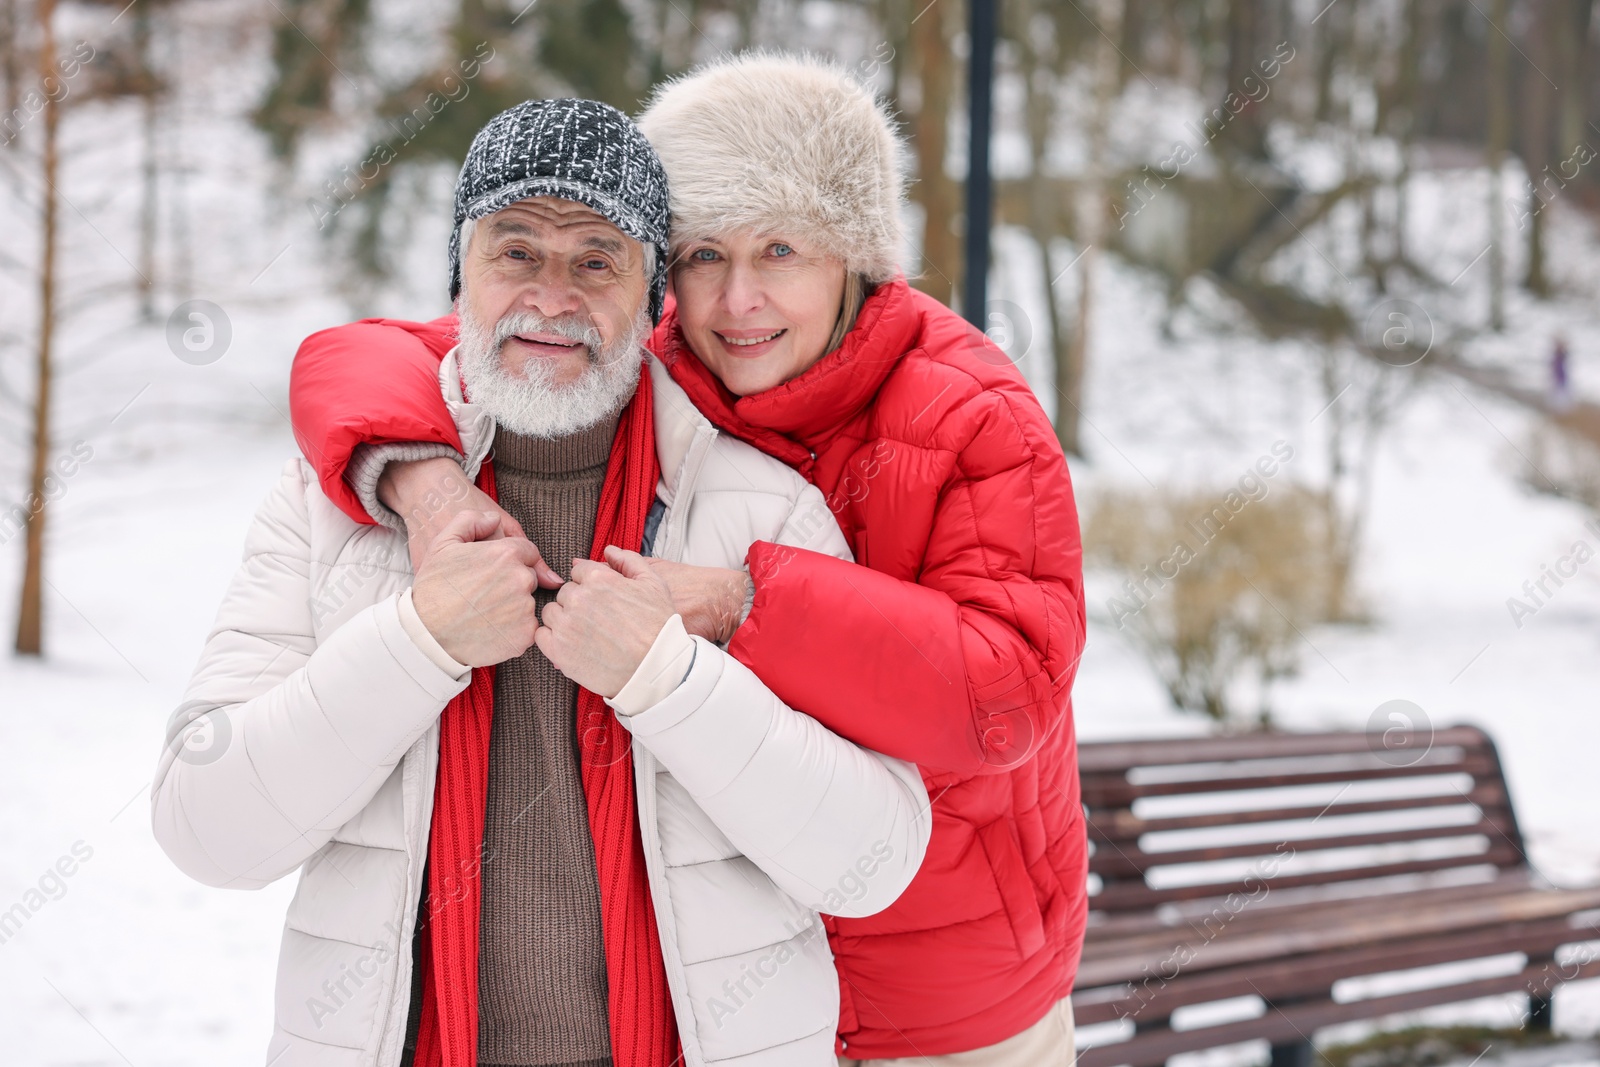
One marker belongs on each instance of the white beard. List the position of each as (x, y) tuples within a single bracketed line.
[(528, 401)]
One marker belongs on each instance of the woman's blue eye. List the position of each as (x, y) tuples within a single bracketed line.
[(781, 250), (704, 255)]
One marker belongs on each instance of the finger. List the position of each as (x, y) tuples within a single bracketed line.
[(510, 526), (587, 570), (527, 553), (521, 551), (548, 578), (485, 526), (550, 618), (628, 564), (464, 527)]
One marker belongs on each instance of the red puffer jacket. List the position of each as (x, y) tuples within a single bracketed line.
[(953, 644)]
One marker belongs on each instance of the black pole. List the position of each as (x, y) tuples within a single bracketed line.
[(980, 109)]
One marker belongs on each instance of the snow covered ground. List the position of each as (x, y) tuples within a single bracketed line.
[(125, 961)]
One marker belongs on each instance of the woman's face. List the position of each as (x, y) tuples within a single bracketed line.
[(757, 309)]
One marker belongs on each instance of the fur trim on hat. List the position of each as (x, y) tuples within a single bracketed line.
[(782, 144)]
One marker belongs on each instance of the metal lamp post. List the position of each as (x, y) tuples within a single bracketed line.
[(980, 111)]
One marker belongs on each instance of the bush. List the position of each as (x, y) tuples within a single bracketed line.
[(1216, 587)]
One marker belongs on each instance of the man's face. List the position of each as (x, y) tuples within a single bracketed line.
[(560, 261)]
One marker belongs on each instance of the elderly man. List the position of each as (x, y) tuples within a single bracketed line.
[(536, 822)]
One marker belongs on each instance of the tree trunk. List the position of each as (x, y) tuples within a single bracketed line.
[(1245, 136), (30, 616), (148, 192), (1499, 88), (1091, 214), (1574, 39), (10, 56), (1040, 78), (940, 275), (1538, 130)]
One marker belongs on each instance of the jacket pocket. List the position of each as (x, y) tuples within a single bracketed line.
[(1015, 886)]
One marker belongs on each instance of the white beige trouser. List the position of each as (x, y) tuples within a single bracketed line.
[(1047, 1043)]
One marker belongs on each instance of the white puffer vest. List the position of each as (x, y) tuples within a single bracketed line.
[(308, 740)]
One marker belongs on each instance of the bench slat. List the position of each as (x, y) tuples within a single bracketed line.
[(1107, 926), (1118, 792), (1154, 998), (1104, 756), (1295, 1022), (1120, 825), (1132, 958), (1123, 896), (1125, 863)]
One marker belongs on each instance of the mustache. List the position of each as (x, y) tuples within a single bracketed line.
[(567, 327)]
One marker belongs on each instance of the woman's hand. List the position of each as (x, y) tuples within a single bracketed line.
[(604, 621), (431, 493), (710, 599)]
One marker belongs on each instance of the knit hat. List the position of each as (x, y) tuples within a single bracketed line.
[(782, 144), (578, 150)]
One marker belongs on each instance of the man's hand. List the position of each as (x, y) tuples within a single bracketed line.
[(474, 590), (604, 621), (710, 599), (430, 493)]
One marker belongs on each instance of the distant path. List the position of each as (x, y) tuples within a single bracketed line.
[(1581, 418)]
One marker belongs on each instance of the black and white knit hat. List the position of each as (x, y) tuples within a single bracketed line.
[(578, 150)]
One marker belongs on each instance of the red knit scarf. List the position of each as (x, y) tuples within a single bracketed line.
[(643, 1029)]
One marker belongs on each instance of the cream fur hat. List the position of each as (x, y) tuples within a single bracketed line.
[(782, 144)]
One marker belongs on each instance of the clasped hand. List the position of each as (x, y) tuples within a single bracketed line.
[(477, 572), (604, 620)]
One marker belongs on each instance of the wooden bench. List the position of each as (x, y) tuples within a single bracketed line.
[(1280, 867)]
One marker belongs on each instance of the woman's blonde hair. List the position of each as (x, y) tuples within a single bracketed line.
[(856, 291)]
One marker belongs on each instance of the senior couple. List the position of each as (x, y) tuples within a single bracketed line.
[(630, 682)]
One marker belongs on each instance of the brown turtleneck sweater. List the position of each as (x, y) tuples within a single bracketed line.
[(541, 964)]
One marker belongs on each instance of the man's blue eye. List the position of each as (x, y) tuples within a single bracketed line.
[(781, 250)]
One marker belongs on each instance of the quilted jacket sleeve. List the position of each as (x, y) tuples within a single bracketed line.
[(370, 382), (280, 739), (841, 829), (956, 648)]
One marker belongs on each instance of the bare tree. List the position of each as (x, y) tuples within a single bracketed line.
[(1498, 141), (30, 614), (1091, 211), (1042, 56), (935, 191)]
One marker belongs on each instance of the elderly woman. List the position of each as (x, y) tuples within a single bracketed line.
[(953, 638)]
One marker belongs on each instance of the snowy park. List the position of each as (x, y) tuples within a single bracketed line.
[(1459, 469)]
